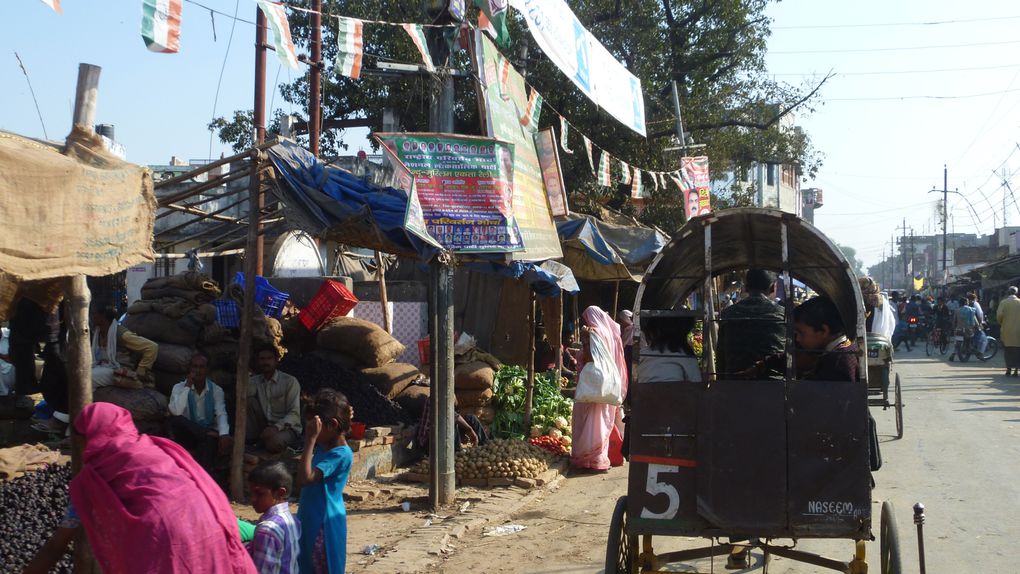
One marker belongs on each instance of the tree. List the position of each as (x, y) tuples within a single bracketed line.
[(851, 256), (713, 49)]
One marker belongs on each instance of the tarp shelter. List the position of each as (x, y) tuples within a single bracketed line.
[(65, 210), (597, 250)]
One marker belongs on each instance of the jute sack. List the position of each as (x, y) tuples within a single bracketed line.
[(163, 329), (470, 398), (165, 382), (339, 359), (222, 355), (473, 376), (363, 340), (393, 378), (174, 358), (413, 399), (143, 404)]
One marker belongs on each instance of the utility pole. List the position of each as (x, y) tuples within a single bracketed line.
[(903, 253), (910, 278), (259, 119), (945, 216), (315, 80)]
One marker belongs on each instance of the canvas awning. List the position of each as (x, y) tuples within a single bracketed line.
[(598, 250)]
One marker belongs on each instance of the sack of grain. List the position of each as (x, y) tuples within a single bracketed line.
[(473, 376), (222, 355), (392, 378), (174, 358), (339, 359), (413, 399), (296, 338), (471, 398), (143, 404), (163, 329), (485, 414), (164, 382), (363, 340)]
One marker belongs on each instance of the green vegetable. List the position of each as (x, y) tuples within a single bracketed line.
[(510, 394)]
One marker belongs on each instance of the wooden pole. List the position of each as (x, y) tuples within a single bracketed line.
[(557, 338), (529, 398), (259, 119), (383, 298), (244, 351), (616, 298), (79, 357)]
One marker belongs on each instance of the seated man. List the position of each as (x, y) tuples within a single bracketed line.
[(753, 328), (274, 405), (113, 351), (198, 420)]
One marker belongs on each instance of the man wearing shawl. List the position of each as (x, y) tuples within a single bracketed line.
[(146, 506), (594, 423)]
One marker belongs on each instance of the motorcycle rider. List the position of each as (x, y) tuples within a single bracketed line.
[(965, 323), (912, 315)]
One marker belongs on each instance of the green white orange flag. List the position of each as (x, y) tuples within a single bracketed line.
[(161, 25), (563, 136), (637, 191), (531, 113), (282, 40), (417, 34), (55, 5), (605, 175), (587, 148), (350, 47), (675, 176), (625, 169), (504, 78)]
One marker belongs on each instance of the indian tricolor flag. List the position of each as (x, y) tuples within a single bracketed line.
[(625, 169), (504, 78), (417, 34), (530, 117), (350, 47), (587, 148), (563, 135), (161, 25), (637, 190), (282, 41), (604, 175), (54, 4)]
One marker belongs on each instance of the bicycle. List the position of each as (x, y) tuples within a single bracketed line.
[(965, 348), (937, 340)]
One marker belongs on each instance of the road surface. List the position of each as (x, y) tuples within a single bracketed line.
[(960, 456)]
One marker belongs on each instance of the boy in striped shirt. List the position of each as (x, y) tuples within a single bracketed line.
[(276, 544)]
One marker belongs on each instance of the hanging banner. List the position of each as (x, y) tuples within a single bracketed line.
[(605, 175), (161, 25), (637, 190), (533, 110), (502, 122), (587, 148), (282, 40), (563, 136), (417, 35), (492, 19), (398, 176), (585, 60), (695, 178), (350, 41), (55, 5), (625, 169), (552, 172), (464, 185)]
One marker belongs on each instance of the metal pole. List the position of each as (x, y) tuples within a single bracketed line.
[(530, 392), (919, 521), (442, 488), (679, 119), (259, 119), (315, 80), (945, 217)]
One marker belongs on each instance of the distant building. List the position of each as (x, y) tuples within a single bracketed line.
[(811, 199), (775, 186)]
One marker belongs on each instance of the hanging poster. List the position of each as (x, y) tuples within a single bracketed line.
[(552, 173), (502, 122), (583, 59), (695, 181), (398, 176), (464, 185)]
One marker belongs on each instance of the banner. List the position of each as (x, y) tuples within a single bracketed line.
[(161, 25), (464, 185), (604, 174), (587, 148), (585, 60), (552, 172), (502, 121), (492, 19), (398, 176), (350, 47), (282, 40), (695, 179), (529, 118), (418, 37), (625, 170), (637, 190), (55, 5), (563, 135)]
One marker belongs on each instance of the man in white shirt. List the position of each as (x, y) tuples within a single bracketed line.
[(274, 405), (199, 415)]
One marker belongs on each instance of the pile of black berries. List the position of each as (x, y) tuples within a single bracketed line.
[(30, 509)]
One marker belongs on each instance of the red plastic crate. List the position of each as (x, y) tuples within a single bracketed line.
[(423, 351), (332, 300)]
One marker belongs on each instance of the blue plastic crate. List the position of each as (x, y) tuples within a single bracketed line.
[(227, 313), (269, 298)]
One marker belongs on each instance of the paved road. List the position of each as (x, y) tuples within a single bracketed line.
[(959, 455)]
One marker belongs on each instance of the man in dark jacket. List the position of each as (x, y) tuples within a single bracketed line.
[(753, 328)]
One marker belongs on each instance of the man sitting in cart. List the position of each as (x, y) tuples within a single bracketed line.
[(753, 328), (819, 328)]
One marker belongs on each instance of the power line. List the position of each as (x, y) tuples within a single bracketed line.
[(900, 72), (891, 24), (899, 49), (922, 97)]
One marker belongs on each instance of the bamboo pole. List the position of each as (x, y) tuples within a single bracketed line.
[(199, 188), (383, 299), (616, 298), (532, 324)]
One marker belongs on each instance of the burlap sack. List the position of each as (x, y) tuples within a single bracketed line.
[(174, 358), (163, 329), (485, 414), (473, 376), (363, 340), (164, 382), (469, 398), (222, 355), (143, 404), (296, 338), (392, 378), (340, 359), (413, 399)]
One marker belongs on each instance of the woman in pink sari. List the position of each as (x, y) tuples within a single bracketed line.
[(596, 423), (147, 506)]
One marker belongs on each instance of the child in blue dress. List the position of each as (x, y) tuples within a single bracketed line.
[(325, 466)]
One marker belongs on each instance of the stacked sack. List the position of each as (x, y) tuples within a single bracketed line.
[(473, 374)]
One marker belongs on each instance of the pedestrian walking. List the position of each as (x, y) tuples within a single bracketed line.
[(1008, 315)]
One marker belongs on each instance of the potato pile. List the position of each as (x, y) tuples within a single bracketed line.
[(498, 458)]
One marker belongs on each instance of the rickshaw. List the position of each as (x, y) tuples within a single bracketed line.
[(748, 463), (880, 358)]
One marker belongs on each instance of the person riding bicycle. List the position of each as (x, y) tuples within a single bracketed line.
[(966, 322), (943, 317), (980, 338)]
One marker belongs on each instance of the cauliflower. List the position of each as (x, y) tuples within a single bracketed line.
[(561, 423), (565, 441), (536, 431), (556, 434)]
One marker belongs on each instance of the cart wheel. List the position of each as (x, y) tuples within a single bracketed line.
[(890, 542), (621, 548), (899, 408)]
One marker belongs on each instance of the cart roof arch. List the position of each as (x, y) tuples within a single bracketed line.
[(746, 238)]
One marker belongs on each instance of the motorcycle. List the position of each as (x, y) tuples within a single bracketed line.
[(913, 327), (965, 346)]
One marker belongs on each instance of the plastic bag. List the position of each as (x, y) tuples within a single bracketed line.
[(600, 380)]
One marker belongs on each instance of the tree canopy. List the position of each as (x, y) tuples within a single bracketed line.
[(713, 49)]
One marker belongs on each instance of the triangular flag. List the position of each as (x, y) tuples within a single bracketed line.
[(587, 148), (675, 176), (625, 168), (282, 40), (55, 5), (637, 191), (161, 25), (534, 109), (604, 175), (563, 135), (485, 24), (492, 19), (655, 178), (350, 47), (504, 78), (417, 34)]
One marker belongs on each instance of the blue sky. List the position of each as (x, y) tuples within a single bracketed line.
[(881, 156)]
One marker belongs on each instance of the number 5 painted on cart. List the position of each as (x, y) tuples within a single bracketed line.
[(655, 488)]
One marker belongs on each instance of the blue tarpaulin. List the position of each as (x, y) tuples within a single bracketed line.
[(598, 250)]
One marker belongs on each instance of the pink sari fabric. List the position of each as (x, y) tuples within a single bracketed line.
[(592, 423), (147, 506)]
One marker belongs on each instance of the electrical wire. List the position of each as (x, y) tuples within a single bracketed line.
[(223, 67), (897, 49), (902, 72), (891, 24), (922, 97)]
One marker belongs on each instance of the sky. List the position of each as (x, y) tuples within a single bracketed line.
[(919, 84)]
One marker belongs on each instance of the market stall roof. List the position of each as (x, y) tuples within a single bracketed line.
[(599, 250), (750, 238), (998, 273)]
